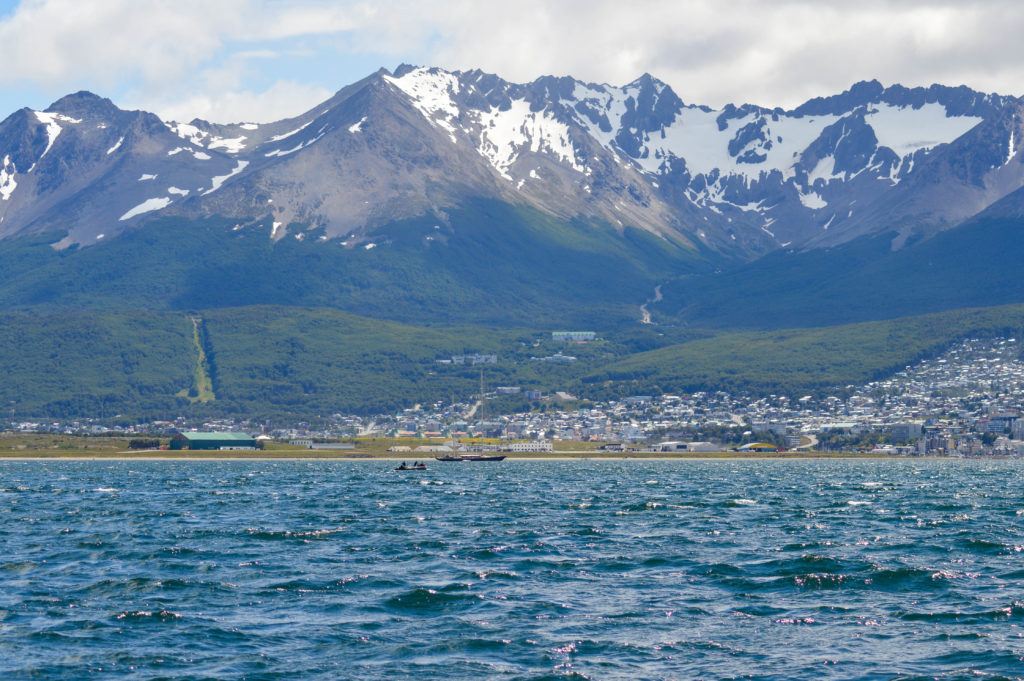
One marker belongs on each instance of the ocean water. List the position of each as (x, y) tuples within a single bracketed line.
[(514, 570)]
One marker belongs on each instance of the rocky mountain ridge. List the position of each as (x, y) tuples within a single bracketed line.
[(741, 180)]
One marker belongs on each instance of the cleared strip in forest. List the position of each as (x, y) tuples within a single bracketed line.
[(203, 383)]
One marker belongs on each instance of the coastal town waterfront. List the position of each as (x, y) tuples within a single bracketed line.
[(966, 402)]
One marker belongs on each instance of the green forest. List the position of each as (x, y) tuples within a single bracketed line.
[(214, 318), (275, 361)]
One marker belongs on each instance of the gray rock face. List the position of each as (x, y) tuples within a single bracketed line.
[(743, 179)]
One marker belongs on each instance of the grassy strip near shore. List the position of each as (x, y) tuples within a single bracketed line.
[(46, 446), (264, 456)]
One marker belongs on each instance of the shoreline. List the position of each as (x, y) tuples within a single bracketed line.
[(570, 455)]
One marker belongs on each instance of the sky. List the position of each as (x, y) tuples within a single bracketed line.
[(232, 61)]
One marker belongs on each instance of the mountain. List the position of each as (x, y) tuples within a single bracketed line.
[(424, 213), (741, 181), (89, 168), (373, 154)]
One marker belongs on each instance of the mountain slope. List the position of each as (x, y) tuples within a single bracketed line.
[(86, 167), (973, 265), (489, 264), (742, 180)]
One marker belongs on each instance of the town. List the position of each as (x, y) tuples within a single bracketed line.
[(966, 402)]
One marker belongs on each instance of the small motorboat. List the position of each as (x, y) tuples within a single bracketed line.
[(415, 467)]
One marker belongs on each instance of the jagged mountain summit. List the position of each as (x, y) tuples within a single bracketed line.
[(742, 180)]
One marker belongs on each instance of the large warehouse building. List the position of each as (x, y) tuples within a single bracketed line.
[(212, 441)]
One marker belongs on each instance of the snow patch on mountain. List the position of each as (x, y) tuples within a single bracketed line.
[(505, 135), (278, 138), (146, 206), (812, 200), (201, 138), (824, 170), (357, 127), (431, 91), (188, 132), (301, 145), (196, 154), (610, 105), (233, 145), (53, 129), (906, 130), (221, 179), (117, 146), (147, 176), (696, 137), (7, 182)]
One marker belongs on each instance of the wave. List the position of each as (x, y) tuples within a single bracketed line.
[(425, 601), (148, 616), (1015, 609), (291, 535)]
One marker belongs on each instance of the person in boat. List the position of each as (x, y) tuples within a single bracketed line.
[(403, 467)]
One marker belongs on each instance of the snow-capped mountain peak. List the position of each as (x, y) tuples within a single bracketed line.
[(396, 145)]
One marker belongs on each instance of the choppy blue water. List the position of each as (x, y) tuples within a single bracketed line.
[(516, 570)]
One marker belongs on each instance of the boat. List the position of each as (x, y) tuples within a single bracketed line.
[(454, 456), (415, 467), (471, 457)]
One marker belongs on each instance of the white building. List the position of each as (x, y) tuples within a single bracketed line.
[(531, 446)]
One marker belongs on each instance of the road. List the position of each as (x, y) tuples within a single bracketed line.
[(810, 445), (645, 315)]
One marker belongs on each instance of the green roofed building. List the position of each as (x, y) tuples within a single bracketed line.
[(213, 441)]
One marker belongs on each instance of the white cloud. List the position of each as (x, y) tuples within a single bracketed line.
[(59, 39), (284, 99), (272, 21), (774, 53), (63, 41), (149, 51), (166, 55)]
